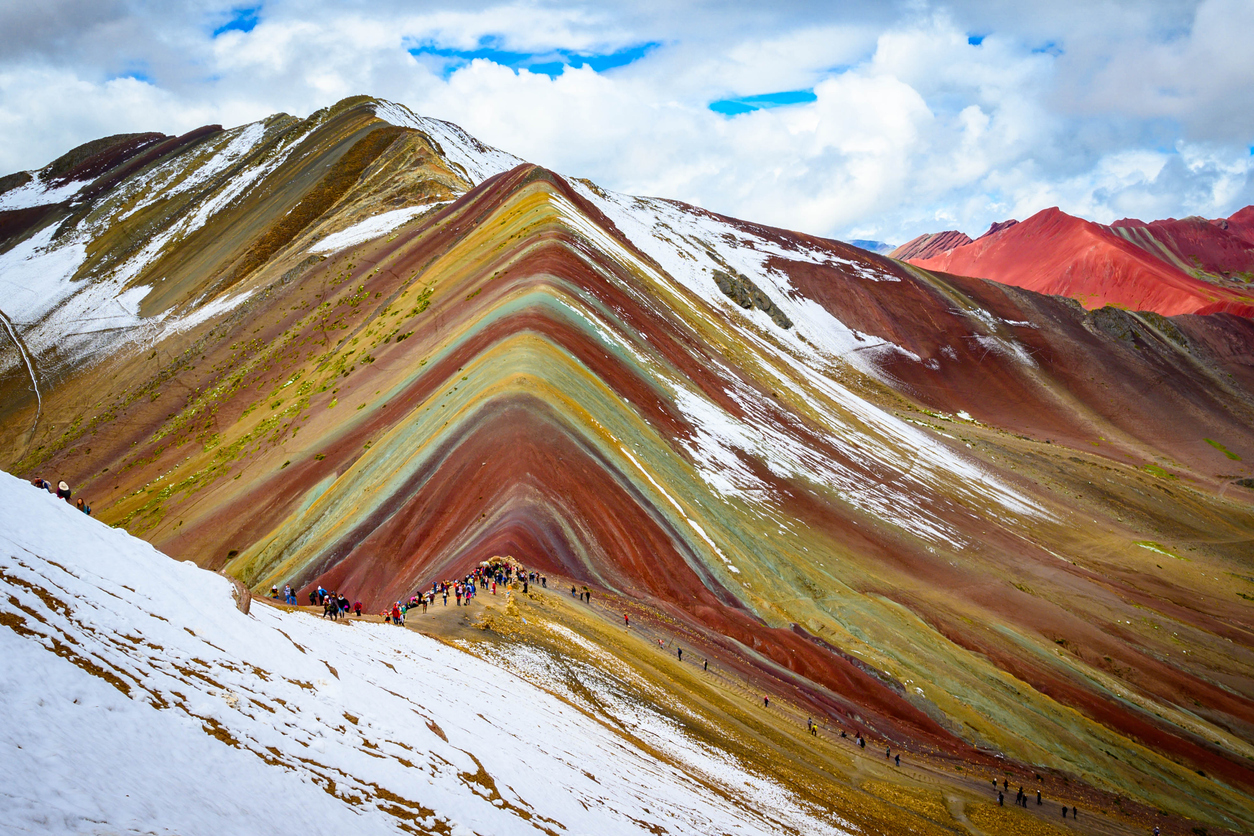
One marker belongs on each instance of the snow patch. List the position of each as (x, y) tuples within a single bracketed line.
[(283, 718), (371, 227), (39, 193)]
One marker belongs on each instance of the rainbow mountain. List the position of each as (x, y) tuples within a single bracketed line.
[(363, 350)]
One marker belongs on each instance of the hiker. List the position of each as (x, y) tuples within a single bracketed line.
[(887, 753), (1064, 811), (1001, 801), (861, 742), (680, 652), (63, 491), (274, 590), (396, 614), (898, 760), (544, 582), (626, 620), (707, 664), (572, 590), (313, 598), (1038, 798), (357, 608), (83, 506), (766, 702)]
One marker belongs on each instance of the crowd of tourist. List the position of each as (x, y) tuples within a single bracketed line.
[(484, 579)]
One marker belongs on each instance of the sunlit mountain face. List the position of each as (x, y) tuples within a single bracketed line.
[(363, 351)]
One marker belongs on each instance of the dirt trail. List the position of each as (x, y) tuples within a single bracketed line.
[(29, 363), (921, 782)]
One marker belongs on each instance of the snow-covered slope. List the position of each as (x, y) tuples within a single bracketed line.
[(140, 699)]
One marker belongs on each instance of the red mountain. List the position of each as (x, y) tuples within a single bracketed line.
[(1169, 267)]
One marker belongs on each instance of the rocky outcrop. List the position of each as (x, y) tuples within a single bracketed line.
[(748, 295)]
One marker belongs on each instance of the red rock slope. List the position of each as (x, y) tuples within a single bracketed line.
[(1169, 267)]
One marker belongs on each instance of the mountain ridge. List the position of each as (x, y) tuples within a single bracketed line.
[(1167, 267)]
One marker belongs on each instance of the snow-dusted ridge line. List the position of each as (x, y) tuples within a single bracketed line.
[(38, 193), (162, 689), (689, 245), (477, 160), (87, 319)]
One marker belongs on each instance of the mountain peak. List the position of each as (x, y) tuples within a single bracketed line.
[(1168, 267)]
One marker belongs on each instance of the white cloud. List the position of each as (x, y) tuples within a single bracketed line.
[(1105, 108)]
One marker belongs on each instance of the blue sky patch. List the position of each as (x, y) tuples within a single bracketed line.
[(748, 104), (976, 40), (242, 20), (137, 70), (551, 63)]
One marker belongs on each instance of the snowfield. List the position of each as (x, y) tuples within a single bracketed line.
[(141, 700)]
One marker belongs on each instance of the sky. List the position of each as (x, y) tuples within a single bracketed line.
[(855, 120)]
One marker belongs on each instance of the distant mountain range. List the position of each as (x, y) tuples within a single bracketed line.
[(1169, 267), (874, 246), (364, 350)]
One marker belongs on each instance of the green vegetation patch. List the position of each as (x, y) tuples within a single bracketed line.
[(1213, 443), (1155, 470)]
